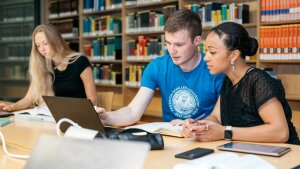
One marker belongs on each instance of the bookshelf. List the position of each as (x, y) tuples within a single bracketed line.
[(17, 21), (279, 47), (64, 14), (139, 32)]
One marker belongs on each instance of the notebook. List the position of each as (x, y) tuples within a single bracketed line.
[(261, 149), (53, 152), (79, 110)]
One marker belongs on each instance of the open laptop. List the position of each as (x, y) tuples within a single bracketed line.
[(79, 110), (53, 152)]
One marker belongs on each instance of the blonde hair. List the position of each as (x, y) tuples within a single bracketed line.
[(40, 68)]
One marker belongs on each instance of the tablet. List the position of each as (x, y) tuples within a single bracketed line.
[(275, 151)]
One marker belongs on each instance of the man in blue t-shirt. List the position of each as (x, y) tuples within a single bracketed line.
[(187, 88)]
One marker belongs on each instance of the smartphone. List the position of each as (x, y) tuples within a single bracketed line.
[(194, 153), (296, 167)]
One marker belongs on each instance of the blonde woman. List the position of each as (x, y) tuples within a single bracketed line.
[(55, 70)]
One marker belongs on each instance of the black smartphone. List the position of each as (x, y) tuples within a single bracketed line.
[(296, 167), (194, 153)]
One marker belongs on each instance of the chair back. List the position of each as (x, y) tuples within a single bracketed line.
[(105, 100)]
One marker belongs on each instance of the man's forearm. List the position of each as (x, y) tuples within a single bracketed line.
[(122, 117)]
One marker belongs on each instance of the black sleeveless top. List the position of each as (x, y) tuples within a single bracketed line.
[(67, 83), (240, 102)]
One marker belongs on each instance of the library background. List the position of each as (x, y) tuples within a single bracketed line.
[(121, 37)]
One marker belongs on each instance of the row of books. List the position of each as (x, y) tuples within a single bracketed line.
[(90, 6), (105, 25), (280, 42), (68, 27), (19, 51), (214, 13), (140, 2), (145, 48), (108, 48), (280, 10), (16, 13), (104, 74), (63, 8), (148, 20), (16, 72), (16, 32), (133, 75)]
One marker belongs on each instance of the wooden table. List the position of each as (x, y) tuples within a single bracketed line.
[(21, 136)]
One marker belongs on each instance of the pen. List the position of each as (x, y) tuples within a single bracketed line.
[(198, 118)]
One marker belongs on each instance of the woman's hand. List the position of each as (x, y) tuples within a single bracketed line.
[(5, 107), (188, 131), (204, 130)]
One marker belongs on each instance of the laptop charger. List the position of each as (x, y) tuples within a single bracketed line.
[(80, 133)]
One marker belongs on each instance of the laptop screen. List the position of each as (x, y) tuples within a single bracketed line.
[(79, 110)]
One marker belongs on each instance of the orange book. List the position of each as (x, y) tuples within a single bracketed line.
[(279, 40), (298, 41), (285, 38), (295, 36), (261, 38), (275, 37), (290, 36)]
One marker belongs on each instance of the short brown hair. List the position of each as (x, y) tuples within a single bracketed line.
[(184, 19)]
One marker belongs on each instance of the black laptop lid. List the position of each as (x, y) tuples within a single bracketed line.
[(79, 110)]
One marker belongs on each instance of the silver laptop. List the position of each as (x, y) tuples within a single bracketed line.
[(53, 152), (79, 110)]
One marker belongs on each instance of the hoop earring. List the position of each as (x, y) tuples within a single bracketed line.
[(232, 66)]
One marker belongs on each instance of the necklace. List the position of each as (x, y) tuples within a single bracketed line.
[(55, 66)]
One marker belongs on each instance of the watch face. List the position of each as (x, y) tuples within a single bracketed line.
[(228, 134)]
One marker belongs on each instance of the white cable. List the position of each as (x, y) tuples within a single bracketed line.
[(8, 153), (58, 131)]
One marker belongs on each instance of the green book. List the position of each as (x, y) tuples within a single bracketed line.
[(5, 121)]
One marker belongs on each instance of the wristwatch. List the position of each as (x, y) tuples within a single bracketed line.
[(228, 133)]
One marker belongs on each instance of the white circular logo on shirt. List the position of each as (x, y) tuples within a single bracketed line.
[(183, 102)]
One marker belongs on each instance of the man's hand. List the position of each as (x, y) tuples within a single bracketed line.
[(102, 114), (177, 122)]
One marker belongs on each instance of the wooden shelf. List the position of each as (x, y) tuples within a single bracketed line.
[(132, 87), (13, 80), (154, 4), (223, 1), (14, 61), (106, 61), (63, 17), (292, 97), (279, 22), (71, 38), (137, 61), (281, 61), (116, 10), (102, 36), (30, 21), (16, 41), (19, 2), (144, 33), (108, 85)]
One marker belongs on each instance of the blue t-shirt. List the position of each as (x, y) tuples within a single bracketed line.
[(184, 94)]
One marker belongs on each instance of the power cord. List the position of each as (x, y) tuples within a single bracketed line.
[(76, 131), (58, 131), (75, 128), (10, 154)]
